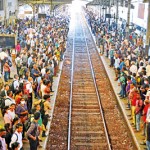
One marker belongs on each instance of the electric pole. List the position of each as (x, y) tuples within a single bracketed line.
[(117, 16), (148, 32), (128, 19)]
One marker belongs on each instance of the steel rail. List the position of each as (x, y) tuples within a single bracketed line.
[(96, 88), (97, 93), (71, 89)]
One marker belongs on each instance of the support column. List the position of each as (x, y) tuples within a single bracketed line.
[(117, 16), (147, 49), (109, 10), (5, 12), (33, 19), (99, 12), (128, 19)]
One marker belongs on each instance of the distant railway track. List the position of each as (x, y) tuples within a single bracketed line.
[(95, 120)]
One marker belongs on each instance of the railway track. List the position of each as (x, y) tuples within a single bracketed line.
[(95, 120)]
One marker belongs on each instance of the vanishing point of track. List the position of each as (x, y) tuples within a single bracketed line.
[(95, 120)]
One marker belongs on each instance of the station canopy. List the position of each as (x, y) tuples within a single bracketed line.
[(54, 2)]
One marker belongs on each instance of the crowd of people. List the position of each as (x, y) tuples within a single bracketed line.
[(131, 66), (25, 98)]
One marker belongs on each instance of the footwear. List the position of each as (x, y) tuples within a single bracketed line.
[(40, 146), (24, 139), (122, 97), (143, 143), (43, 134)]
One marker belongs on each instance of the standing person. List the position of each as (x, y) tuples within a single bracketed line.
[(4, 92), (17, 136), (8, 135), (148, 129), (18, 48), (138, 111), (3, 55), (22, 113), (7, 116), (3, 145), (18, 62), (33, 132), (28, 91), (6, 71), (111, 54)]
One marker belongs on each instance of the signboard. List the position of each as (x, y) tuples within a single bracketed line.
[(7, 41), (27, 12), (41, 15), (107, 15)]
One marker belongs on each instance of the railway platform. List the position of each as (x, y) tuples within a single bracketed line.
[(137, 136)]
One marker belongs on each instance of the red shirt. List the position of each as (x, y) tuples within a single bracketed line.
[(145, 112), (18, 48), (133, 101)]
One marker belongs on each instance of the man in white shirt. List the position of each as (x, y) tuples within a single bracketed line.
[(11, 111), (133, 68), (17, 136), (16, 82), (148, 70), (29, 89), (3, 145)]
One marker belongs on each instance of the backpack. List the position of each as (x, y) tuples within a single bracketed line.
[(31, 65), (2, 104), (27, 123), (33, 132), (18, 64), (42, 107), (22, 71), (133, 80), (12, 87)]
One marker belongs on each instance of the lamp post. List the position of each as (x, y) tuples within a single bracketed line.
[(147, 44), (117, 16), (128, 19)]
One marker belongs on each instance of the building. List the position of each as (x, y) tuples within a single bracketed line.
[(8, 11)]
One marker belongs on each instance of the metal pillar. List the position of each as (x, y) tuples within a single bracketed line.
[(117, 16), (109, 10), (51, 7), (148, 33), (99, 12), (33, 20), (5, 12), (128, 19)]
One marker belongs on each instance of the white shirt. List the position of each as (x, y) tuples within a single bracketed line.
[(32, 43), (3, 143), (42, 89), (3, 55), (148, 94), (17, 137), (133, 69), (16, 84), (117, 62), (18, 59), (12, 114), (29, 87), (9, 101), (43, 71), (148, 70)]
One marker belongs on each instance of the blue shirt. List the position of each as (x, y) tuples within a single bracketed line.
[(121, 65)]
